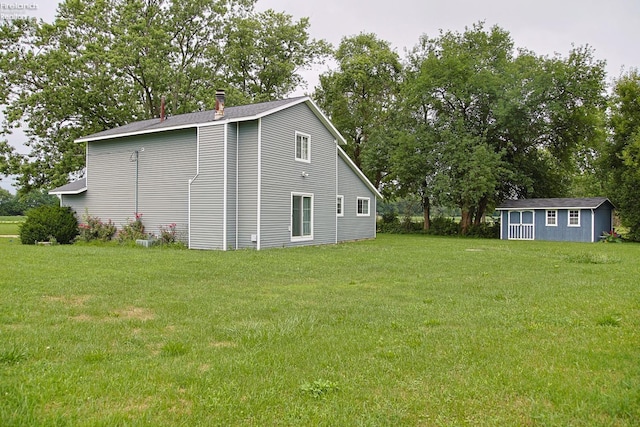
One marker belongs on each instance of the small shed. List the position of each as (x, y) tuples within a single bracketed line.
[(562, 219)]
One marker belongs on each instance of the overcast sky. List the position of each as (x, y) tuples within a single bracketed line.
[(611, 27)]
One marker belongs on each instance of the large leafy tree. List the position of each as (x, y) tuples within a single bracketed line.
[(105, 63), (359, 96), (621, 157), (490, 122)]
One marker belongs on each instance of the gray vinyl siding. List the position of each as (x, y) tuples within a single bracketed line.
[(207, 203), (77, 202), (282, 175), (166, 163), (350, 186), (247, 183), (232, 155)]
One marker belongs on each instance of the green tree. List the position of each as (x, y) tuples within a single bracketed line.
[(9, 204), (359, 98), (106, 63), (622, 153), (493, 123)]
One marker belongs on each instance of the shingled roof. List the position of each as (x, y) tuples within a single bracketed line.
[(556, 203), (75, 187), (188, 120)]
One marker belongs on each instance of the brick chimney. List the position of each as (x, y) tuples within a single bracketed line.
[(162, 112), (219, 104)]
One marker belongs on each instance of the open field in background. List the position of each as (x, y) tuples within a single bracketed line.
[(10, 225), (403, 330)]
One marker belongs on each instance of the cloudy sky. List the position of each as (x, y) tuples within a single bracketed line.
[(546, 27)]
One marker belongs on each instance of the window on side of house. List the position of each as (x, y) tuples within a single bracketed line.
[(363, 206), (301, 217), (552, 218), (303, 147), (340, 205), (574, 218)]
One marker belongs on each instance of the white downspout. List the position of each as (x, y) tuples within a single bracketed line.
[(191, 182), (337, 189), (259, 182), (224, 190), (593, 225), (237, 176)]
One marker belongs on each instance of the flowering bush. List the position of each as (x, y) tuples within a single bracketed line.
[(168, 234), (133, 230), (611, 237), (92, 228)]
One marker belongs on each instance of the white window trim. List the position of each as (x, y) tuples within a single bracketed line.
[(547, 223), (341, 198), (368, 199), (295, 145), (569, 218), (300, 238)]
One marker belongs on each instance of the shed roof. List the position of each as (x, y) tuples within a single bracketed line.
[(555, 203)]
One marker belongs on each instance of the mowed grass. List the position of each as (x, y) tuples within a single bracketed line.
[(402, 330)]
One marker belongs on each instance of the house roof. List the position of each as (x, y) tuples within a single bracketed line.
[(557, 203), (201, 118), (75, 187)]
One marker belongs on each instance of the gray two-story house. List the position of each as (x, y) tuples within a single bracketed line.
[(257, 176)]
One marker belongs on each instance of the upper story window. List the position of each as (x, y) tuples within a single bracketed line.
[(574, 218), (340, 205), (552, 218), (303, 147), (363, 206)]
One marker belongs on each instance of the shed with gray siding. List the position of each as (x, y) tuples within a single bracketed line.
[(264, 175), (562, 219)]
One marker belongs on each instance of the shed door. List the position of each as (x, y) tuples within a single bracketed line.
[(521, 225)]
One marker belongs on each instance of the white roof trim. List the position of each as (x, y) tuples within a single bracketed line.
[(357, 170), (554, 208), (57, 193)]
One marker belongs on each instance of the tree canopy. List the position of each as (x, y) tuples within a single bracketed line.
[(484, 122), (106, 63), (622, 154)]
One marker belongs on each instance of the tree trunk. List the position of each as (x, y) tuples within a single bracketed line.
[(426, 209), (465, 221), (482, 207)]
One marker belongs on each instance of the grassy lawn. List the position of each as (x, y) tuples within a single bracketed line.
[(403, 330), (10, 225)]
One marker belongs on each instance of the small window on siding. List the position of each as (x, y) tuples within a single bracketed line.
[(552, 218), (301, 217), (303, 147), (574, 218), (363, 206), (340, 205)]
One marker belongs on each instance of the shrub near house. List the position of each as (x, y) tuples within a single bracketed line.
[(49, 223)]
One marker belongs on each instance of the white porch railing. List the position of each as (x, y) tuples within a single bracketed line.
[(521, 231)]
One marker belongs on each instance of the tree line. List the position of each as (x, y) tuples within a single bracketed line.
[(465, 120)]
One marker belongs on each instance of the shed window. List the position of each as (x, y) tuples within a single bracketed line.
[(552, 218), (574, 218), (363, 206), (303, 147)]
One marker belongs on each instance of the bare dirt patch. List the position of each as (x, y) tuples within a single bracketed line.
[(136, 313)]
